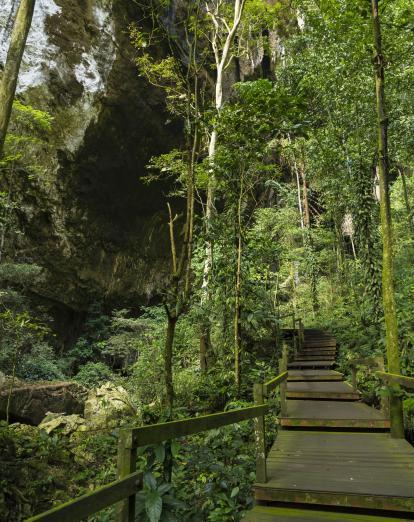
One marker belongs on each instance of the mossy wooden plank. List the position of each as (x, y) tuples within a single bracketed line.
[(269, 386), (311, 364), (336, 390), (302, 358), (402, 380), (332, 410), (282, 514), (169, 430), (320, 498), (340, 468), (93, 502), (314, 375)]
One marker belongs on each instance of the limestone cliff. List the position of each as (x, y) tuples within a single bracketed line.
[(88, 219)]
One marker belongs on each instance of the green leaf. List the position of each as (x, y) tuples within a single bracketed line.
[(160, 453), (175, 448), (234, 492), (150, 481), (163, 488), (153, 506)]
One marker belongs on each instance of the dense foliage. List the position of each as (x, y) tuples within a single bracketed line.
[(282, 217)]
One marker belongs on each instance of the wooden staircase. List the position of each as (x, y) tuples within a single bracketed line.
[(333, 458)]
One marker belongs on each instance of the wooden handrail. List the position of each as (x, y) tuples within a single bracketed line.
[(393, 378), (131, 439), (269, 386), (92, 502), (156, 433), (368, 362)]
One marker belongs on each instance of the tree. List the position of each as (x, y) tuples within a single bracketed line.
[(222, 37), (388, 290), (11, 69)]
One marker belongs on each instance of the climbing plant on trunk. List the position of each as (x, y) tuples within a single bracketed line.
[(388, 290)]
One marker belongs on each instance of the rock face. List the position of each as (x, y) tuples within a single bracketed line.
[(86, 216), (29, 403)]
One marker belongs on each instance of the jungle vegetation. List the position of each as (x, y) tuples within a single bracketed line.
[(292, 191)]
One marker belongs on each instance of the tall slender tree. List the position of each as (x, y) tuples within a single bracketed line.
[(388, 290), (222, 37), (10, 75)]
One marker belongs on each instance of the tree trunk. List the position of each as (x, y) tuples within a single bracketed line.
[(388, 292), (222, 60), (168, 363), (237, 314), (11, 69), (306, 213)]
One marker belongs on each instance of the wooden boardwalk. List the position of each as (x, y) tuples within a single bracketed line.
[(333, 458)]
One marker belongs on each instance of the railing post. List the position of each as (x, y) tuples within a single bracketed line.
[(301, 334), (294, 337), (385, 400), (127, 456), (354, 377), (260, 435), (283, 361)]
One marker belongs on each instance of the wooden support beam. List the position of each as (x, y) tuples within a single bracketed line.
[(283, 363), (260, 435), (127, 456)]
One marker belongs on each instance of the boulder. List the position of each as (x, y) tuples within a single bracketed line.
[(67, 424), (30, 402), (108, 403)]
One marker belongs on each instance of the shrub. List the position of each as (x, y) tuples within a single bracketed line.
[(92, 375)]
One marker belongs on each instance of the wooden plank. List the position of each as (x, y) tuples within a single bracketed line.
[(332, 410), (348, 500), (392, 378), (314, 375), (293, 514), (333, 414), (369, 362), (126, 465), (328, 349), (351, 424), (311, 364), (93, 502), (318, 357), (269, 386), (260, 435), (369, 470), (321, 390), (156, 433), (320, 343)]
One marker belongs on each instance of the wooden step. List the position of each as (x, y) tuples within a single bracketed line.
[(354, 470), (315, 354), (322, 390), (333, 414), (320, 349), (319, 344), (314, 375), (292, 514), (317, 357), (311, 364)]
